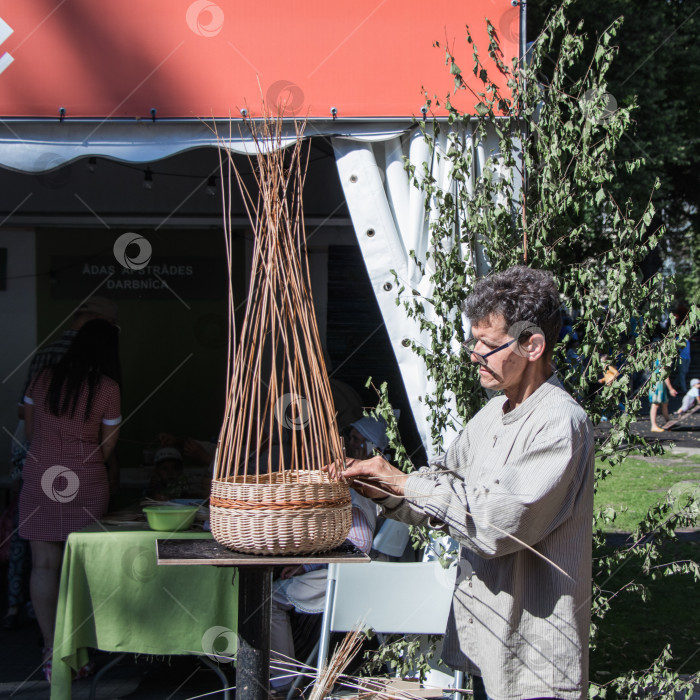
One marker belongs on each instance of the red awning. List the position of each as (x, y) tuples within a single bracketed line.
[(198, 59)]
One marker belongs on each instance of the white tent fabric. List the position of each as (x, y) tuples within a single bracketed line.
[(392, 224), (35, 146)]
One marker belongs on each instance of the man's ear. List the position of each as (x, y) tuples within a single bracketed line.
[(534, 347)]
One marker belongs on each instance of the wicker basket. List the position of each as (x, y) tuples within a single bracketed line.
[(298, 513), (279, 412)]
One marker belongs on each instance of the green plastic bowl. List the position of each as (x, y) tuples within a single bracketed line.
[(170, 518)]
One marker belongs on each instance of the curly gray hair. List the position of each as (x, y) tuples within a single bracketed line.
[(521, 295)]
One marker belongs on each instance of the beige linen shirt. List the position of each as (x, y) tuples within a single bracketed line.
[(516, 620)]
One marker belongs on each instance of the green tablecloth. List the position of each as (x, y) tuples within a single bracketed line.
[(114, 596)]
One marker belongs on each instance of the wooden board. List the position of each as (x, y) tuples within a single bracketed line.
[(203, 552), (680, 419)]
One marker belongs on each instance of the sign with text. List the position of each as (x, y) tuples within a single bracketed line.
[(175, 278), (203, 58)]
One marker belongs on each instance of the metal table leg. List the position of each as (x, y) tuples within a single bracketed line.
[(118, 657), (222, 676), (112, 662), (253, 661)]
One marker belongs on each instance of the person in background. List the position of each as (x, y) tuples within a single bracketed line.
[(681, 310), (684, 366), (19, 564), (19, 558), (304, 587), (691, 399), (92, 309), (572, 354), (609, 376), (659, 397), (72, 415), (347, 402), (201, 452), (364, 436), (169, 480)]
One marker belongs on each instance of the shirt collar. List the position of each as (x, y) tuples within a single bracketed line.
[(532, 401)]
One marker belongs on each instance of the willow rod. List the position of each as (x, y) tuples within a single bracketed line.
[(278, 397)]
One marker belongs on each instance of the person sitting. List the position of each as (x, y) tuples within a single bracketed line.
[(365, 436), (691, 398), (200, 452), (303, 588), (169, 480)]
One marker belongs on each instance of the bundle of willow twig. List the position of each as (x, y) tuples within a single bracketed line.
[(331, 672), (269, 494)]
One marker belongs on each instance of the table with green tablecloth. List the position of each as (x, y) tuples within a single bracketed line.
[(113, 596)]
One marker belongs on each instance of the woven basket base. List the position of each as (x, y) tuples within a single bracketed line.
[(310, 515), (274, 532)]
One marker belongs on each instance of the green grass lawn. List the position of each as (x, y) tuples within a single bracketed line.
[(637, 484), (634, 632)]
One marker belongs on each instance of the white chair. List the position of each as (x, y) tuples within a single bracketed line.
[(389, 597)]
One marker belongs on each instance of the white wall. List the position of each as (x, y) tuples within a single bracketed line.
[(18, 329)]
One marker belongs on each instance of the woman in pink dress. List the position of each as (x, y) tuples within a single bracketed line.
[(72, 421)]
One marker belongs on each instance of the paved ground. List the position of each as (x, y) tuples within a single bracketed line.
[(183, 678), (685, 435), (134, 678)]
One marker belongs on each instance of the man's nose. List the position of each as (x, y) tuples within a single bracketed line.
[(475, 357)]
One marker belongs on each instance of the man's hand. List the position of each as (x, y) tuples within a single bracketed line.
[(374, 477)]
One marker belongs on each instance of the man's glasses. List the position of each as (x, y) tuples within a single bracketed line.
[(471, 344)]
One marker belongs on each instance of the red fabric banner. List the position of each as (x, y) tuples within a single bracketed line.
[(198, 58)]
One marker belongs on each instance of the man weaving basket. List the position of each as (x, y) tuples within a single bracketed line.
[(516, 491)]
